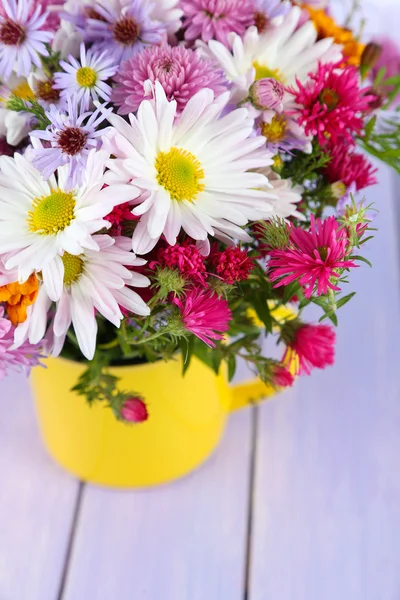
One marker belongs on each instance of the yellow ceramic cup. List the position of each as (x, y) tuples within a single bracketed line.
[(186, 422)]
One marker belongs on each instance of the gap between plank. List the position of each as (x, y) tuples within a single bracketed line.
[(252, 476), (71, 540)]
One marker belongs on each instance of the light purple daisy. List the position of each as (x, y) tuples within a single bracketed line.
[(283, 133), (86, 79), (181, 72), (216, 19), (123, 27), (69, 140), (16, 359), (268, 10), (21, 37)]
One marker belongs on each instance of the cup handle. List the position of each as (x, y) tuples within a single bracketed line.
[(250, 392)]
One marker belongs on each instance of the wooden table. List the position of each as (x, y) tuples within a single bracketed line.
[(300, 502)]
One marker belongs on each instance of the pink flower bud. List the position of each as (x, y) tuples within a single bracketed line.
[(281, 377), (134, 410), (267, 94)]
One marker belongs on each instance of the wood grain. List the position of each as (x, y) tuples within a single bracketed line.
[(37, 501)]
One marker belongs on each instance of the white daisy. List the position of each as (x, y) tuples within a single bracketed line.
[(288, 195), (39, 219), (94, 281), (86, 79), (193, 172), (283, 52)]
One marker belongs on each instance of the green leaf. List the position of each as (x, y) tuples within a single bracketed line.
[(362, 259), (261, 307), (342, 301), (231, 366)]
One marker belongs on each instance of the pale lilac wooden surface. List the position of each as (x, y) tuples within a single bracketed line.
[(324, 512)]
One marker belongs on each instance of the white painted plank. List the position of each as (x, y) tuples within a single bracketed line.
[(37, 501), (184, 541), (327, 494)]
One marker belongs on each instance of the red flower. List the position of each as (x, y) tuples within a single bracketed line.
[(330, 103), (119, 215), (134, 410), (281, 377), (233, 265), (184, 257), (350, 167), (205, 315), (308, 346), (312, 257)]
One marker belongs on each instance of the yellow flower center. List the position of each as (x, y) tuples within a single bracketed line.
[(52, 213), (264, 72), (338, 189), (73, 268), (23, 91), (86, 77), (275, 131), (180, 173), (330, 98)]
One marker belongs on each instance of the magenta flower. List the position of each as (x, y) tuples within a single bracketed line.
[(22, 40), (308, 347), (312, 258), (233, 265), (134, 410), (330, 104), (186, 258), (205, 315), (350, 167), (181, 72), (19, 359), (216, 19)]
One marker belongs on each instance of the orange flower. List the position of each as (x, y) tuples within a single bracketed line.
[(18, 297), (327, 27)]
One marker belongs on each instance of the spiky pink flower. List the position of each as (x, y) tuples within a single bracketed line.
[(134, 410), (313, 258), (120, 215), (205, 315), (331, 103), (181, 72), (233, 264), (308, 346), (350, 167), (19, 359), (184, 257), (216, 19)]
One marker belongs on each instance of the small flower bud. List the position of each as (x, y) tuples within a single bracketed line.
[(134, 410), (370, 55), (281, 377), (275, 234), (267, 94), (169, 281), (338, 190)]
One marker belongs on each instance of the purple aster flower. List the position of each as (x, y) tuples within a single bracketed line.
[(17, 359), (181, 72), (86, 79), (268, 10), (21, 37), (216, 19), (68, 140), (121, 27), (283, 133)]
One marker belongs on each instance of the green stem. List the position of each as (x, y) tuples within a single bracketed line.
[(151, 337), (113, 344)]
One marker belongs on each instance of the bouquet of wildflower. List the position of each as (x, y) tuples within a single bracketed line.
[(181, 177)]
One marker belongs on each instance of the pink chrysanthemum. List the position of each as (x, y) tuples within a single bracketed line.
[(181, 72), (205, 315), (330, 104), (233, 265), (216, 19), (350, 167), (184, 257), (20, 359), (312, 258), (308, 347)]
